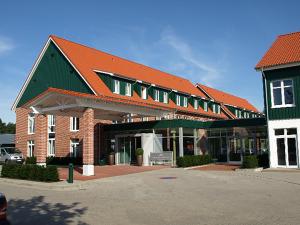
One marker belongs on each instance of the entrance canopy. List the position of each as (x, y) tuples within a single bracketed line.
[(68, 103)]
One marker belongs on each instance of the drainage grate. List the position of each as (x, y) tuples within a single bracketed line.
[(167, 178)]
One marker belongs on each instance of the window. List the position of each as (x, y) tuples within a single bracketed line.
[(51, 147), (116, 86), (214, 108), (240, 114), (144, 119), (236, 113), (166, 97), (74, 124), (245, 114), (144, 92), (156, 95), (185, 102), (196, 104), (30, 148), (177, 100), (74, 148), (282, 92), (51, 124), (205, 107), (31, 122), (128, 89), (218, 109)]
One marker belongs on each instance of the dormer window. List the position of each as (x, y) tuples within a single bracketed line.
[(282, 93), (214, 108), (156, 95), (116, 87), (196, 104), (218, 109), (144, 92), (128, 89), (166, 97), (185, 102), (178, 100), (205, 106)]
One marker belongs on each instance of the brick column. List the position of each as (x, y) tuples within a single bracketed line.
[(88, 142), (41, 138)]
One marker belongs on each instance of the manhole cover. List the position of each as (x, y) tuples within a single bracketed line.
[(167, 178)]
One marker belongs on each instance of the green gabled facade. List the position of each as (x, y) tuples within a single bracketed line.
[(291, 73), (55, 71)]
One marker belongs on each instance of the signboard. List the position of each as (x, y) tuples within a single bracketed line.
[(161, 156)]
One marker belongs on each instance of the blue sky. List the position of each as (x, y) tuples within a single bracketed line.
[(216, 43)]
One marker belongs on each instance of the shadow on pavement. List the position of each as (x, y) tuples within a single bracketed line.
[(37, 211)]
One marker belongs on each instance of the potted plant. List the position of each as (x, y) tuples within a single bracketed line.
[(139, 152), (111, 157)]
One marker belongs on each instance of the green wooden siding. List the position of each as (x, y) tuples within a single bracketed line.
[(289, 112), (53, 71)]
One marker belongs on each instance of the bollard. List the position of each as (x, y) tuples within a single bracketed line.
[(71, 168)]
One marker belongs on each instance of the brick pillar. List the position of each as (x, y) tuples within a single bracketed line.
[(88, 142), (41, 138)]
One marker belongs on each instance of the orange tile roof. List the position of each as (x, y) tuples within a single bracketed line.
[(284, 50), (87, 59), (226, 98)]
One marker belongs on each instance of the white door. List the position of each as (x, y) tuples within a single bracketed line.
[(287, 151)]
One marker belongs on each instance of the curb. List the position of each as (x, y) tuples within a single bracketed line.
[(259, 169), (194, 167)]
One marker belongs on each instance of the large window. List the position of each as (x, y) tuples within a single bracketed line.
[(74, 148), (166, 97), (177, 100), (156, 95), (116, 86), (51, 147), (185, 102), (30, 148), (144, 92), (282, 93), (31, 122), (51, 124), (128, 89), (74, 124)]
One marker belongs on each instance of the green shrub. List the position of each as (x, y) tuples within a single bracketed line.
[(30, 172), (139, 151), (250, 161), (263, 160), (63, 161), (193, 160), (30, 160)]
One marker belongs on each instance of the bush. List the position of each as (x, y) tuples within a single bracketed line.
[(250, 161), (63, 161), (193, 160), (30, 160), (139, 151), (263, 160), (30, 172)]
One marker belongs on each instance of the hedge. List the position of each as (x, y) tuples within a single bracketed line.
[(30, 172), (263, 160), (60, 161), (30, 160), (250, 161), (193, 160)]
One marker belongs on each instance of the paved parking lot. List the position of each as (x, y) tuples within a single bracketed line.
[(166, 196)]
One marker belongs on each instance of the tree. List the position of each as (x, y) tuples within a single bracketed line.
[(9, 128)]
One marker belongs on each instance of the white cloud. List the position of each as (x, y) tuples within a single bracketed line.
[(6, 44)]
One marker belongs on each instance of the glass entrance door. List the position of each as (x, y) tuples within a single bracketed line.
[(126, 149), (287, 152)]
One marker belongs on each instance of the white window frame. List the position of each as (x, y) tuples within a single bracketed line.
[(31, 123), (205, 106), (144, 92), (185, 101), (282, 86), (51, 146), (196, 104), (128, 89), (166, 97), (236, 113), (116, 87), (51, 124), (30, 148), (74, 143), (74, 123), (156, 95), (240, 114), (214, 108), (218, 109), (178, 100)]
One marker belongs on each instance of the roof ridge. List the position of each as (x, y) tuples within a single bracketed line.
[(291, 33), (131, 61)]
